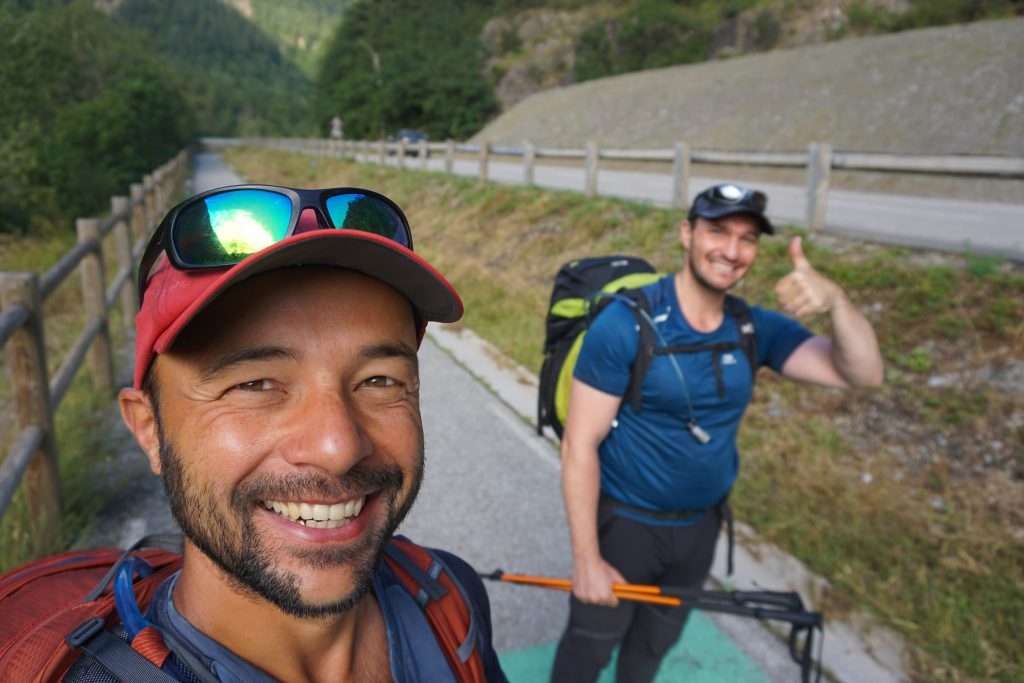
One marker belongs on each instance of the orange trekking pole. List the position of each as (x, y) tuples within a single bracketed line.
[(786, 606), (625, 591)]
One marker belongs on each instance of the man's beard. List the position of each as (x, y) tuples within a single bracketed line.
[(702, 281), (246, 559)]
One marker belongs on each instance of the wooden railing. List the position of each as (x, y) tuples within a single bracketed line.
[(35, 396), (818, 160)]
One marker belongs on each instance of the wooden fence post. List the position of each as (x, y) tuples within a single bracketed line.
[(485, 153), (150, 202), (401, 154), (590, 171), (382, 151), (681, 176), (138, 213), (529, 157), (30, 388), (123, 244), (449, 156), (423, 154), (163, 193), (94, 298), (819, 174)]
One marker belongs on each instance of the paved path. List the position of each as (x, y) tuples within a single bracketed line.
[(946, 224), (492, 495)]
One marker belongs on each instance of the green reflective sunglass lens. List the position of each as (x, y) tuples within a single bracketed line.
[(368, 214), (225, 228)]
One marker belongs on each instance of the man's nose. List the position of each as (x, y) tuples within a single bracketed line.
[(732, 248), (326, 433)]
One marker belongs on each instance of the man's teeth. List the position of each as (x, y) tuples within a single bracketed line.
[(317, 516)]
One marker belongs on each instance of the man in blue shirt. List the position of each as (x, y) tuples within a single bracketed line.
[(644, 490)]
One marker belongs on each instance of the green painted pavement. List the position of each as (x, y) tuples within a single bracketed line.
[(703, 655)]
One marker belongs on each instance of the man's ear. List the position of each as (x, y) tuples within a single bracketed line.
[(686, 233), (140, 418)]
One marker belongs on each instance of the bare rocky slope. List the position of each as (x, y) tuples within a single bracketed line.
[(954, 89)]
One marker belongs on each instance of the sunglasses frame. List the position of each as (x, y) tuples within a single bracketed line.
[(162, 242), (758, 199)]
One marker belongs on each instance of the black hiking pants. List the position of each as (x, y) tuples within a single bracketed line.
[(644, 554)]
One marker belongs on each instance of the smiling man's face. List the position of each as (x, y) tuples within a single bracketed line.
[(720, 251), (288, 433)]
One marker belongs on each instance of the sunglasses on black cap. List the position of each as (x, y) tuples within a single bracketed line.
[(732, 195), (729, 198), (223, 227)]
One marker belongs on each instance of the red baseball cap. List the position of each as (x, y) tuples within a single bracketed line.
[(172, 298)]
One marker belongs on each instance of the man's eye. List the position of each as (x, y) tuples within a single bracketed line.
[(380, 381), (255, 385)]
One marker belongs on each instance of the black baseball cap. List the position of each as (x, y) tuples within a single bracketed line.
[(727, 199)]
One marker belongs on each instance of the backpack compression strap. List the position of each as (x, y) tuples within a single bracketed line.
[(640, 307), (444, 603), (740, 312)]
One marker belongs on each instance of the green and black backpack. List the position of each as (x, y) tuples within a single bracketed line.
[(582, 288), (580, 292)]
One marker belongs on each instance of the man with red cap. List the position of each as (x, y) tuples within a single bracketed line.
[(276, 393)]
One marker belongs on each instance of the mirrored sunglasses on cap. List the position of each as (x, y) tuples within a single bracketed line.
[(223, 227), (729, 193)]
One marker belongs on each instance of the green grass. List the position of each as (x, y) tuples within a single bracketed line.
[(927, 547)]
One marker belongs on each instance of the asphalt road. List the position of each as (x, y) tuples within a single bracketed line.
[(928, 222)]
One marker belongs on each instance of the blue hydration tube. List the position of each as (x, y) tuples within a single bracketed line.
[(124, 594)]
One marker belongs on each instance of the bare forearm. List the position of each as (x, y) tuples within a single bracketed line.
[(581, 488), (855, 351)]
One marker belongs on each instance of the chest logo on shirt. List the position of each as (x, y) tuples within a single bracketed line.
[(728, 359), (747, 328)]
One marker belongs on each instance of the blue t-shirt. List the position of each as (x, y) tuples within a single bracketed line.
[(649, 459)]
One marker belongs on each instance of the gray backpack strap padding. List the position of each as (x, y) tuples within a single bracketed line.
[(114, 654), (170, 542)]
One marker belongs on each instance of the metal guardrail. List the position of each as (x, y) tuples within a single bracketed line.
[(819, 159), (32, 460)]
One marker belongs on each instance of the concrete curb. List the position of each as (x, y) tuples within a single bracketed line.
[(856, 649)]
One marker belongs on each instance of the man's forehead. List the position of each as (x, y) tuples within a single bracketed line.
[(737, 221)]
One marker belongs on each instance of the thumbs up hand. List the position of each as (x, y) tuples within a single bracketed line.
[(805, 291)]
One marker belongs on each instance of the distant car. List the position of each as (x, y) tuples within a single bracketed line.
[(412, 138)]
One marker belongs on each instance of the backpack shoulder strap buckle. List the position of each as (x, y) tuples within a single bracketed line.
[(84, 632)]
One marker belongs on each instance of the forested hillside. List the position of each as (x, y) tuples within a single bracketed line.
[(85, 109), (96, 93), (239, 83), (401, 63), (301, 28)]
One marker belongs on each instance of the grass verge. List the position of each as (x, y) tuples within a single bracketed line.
[(907, 498)]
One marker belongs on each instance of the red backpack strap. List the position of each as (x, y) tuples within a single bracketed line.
[(444, 604)]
